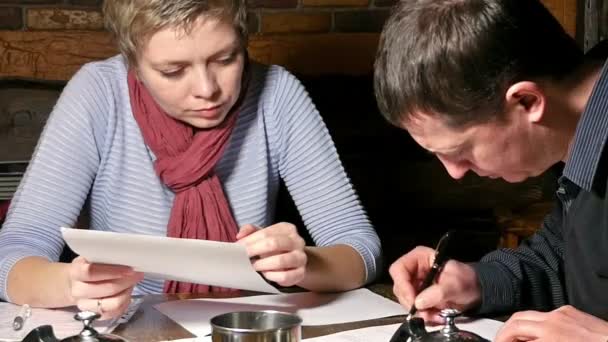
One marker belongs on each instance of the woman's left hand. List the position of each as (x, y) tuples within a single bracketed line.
[(278, 251)]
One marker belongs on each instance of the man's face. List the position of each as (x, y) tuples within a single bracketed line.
[(510, 149)]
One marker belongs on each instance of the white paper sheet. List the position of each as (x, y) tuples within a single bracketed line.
[(485, 328), (196, 339), (314, 308), (62, 321), (196, 261)]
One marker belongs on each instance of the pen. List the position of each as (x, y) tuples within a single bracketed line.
[(402, 333), (440, 259), (23, 315)]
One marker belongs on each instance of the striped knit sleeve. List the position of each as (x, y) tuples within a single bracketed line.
[(314, 176), (529, 277), (58, 178)]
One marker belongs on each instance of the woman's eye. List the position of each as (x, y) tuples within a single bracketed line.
[(172, 73), (227, 60)]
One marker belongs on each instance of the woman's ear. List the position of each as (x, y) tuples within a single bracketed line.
[(526, 98), (136, 73)]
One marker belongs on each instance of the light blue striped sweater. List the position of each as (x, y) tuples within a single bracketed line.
[(92, 146)]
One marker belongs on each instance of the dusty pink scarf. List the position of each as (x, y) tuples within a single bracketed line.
[(186, 158)]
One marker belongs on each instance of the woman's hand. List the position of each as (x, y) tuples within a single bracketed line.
[(278, 251), (105, 289)]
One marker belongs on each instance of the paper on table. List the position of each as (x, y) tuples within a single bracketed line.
[(196, 339), (196, 261), (62, 321), (314, 308), (485, 328)]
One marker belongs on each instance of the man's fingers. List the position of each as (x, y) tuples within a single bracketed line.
[(535, 316), (407, 272), (432, 297), (431, 316), (519, 330)]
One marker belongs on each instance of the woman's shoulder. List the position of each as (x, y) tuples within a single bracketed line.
[(273, 82), (110, 71), (97, 91), (272, 74), (102, 81)]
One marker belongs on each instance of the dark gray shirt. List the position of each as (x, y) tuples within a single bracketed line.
[(566, 261)]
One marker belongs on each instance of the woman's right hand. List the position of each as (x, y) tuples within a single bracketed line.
[(455, 287), (101, 288)]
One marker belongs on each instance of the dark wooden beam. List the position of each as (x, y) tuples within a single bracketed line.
[(56, 55), (595, 22)]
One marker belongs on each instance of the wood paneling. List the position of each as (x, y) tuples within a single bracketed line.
[(54, 55), (565, 12)]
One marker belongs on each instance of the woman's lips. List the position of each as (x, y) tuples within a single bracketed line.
[(209, 112)]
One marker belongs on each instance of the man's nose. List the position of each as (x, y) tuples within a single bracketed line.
[(457, 170)]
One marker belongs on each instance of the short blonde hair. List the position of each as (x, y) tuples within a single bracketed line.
[(132, 22)]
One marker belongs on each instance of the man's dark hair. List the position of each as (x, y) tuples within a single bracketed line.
[(456, 58)]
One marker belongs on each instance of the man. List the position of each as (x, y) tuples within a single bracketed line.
[(498, 88)]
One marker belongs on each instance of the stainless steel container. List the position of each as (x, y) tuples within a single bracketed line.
[(256, 326)]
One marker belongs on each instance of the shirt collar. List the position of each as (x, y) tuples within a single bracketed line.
[(582, 166)]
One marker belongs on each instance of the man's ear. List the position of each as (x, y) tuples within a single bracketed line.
[(527, 98)]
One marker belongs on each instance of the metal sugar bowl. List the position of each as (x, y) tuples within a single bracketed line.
[(256, 326)]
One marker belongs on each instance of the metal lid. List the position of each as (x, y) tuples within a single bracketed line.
[(448, 333), (88, 333)]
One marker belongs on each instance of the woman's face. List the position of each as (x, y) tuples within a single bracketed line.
[(195, 77)]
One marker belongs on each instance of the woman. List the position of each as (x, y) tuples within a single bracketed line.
[(181, 136)]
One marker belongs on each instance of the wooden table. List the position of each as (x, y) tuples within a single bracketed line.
[(148, 324)]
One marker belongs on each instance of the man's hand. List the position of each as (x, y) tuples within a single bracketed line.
[(565, 324), (456, 286)]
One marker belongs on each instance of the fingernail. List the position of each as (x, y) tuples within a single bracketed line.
[(420, 303)]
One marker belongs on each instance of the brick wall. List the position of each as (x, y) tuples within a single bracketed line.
[(51, 38), (266, 16)]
